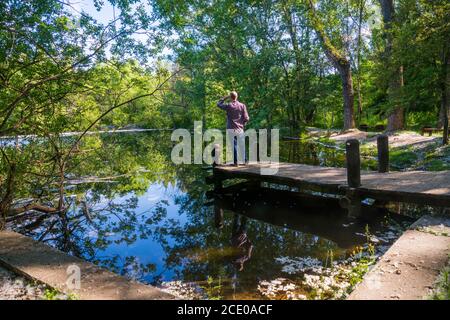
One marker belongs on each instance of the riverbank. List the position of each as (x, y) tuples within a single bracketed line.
[(15, 287), (408, 149), (77, 133), (411, 266), (74, 277)]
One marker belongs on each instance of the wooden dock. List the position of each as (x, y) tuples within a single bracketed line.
[(421, 187), (350, 183)]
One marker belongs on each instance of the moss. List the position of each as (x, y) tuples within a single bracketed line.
[(437, 158), (437, 165), (403, 158)]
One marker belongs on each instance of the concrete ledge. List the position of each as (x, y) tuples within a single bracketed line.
[(42, 263), (408, 270)]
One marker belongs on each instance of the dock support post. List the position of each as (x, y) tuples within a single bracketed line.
[(218, 215), (352, 201), (353, 163), (383, 153), (216, 154), (257, 147)]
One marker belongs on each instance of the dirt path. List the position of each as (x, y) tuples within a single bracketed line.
[(353, 134), (405, 139), (408, 270), (400, 139)]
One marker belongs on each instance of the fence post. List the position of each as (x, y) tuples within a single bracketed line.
[(353, 163), (383, 153), (352, 200), (217, 153)]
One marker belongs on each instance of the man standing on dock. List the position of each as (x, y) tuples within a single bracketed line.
[(237, 117)]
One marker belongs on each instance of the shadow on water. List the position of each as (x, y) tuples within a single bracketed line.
[(321, 216), (158, 222)]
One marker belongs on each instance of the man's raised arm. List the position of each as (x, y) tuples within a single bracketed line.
[(221, 104)]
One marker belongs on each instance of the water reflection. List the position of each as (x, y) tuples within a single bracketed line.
[(156, 222)]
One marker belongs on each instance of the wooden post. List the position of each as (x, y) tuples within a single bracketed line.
[(257, 147), (216, 153), (353, 163), (352, 201), (218, 215), (383, 153)]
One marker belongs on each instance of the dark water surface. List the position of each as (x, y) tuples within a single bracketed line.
[(151, 220)]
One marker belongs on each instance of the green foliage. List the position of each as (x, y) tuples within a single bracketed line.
[(64, 72), (364, 258), (441, 289), (212, 290), (403, 158), (53, 294)]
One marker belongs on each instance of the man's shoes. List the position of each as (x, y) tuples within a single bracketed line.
[(240, 164)]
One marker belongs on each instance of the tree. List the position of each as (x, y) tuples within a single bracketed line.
[(340, 62), (48, 56), (396, 117)]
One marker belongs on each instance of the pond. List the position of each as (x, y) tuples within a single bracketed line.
[(136, 213)]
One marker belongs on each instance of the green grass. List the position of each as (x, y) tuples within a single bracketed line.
[(442, 285), (364, 262), (436, 165), (403, 158), (53, 294), (213, 292)]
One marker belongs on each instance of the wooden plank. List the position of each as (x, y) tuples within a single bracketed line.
[(423, 187), (303, 176)]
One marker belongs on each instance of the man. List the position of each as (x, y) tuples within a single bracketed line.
[(237, 117)]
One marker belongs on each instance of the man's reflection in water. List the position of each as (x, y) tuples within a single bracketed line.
[(218, 216), (240, 240)]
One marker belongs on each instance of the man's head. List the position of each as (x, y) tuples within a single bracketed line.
[(233, 95)]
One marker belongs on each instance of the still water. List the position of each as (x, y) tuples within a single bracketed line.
[(137, 214)]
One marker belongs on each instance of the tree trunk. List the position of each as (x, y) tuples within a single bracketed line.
[(7, 197), (347, 93), (396, 119), (446, 95), (341, 63), (292, 31), (441, 119), (358, 59)]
